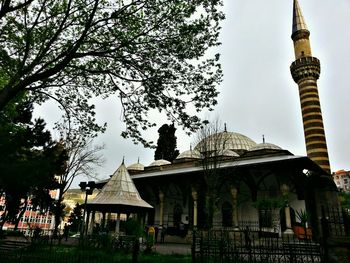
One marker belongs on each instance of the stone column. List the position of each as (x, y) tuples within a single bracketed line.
[(117, 224), (87, 222), (195, 208), (234, 192), (161, 210), (103, 223), (92, 223), (285, 191)]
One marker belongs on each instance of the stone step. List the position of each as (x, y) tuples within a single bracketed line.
[(10, 245)]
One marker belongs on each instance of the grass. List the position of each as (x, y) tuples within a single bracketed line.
[(68, 254)]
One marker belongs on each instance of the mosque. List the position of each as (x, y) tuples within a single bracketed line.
[(228, 180)]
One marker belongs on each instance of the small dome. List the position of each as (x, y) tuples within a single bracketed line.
[(189, 154), (225, 140), (265, 146), (136, 167), (225, 153), (160, 162)]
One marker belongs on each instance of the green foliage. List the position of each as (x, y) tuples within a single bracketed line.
[(303, 216), (132, 227), (75, 218), (152, 54), (166, 144), (344, 199), (29, 159)]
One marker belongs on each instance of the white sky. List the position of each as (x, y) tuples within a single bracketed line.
[(258, 95)]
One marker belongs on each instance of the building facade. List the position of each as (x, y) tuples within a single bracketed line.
[(342, 180), (234, 183), (31, 218)]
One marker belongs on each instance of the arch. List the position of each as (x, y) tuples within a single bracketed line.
[(177, 214), (226, 211)]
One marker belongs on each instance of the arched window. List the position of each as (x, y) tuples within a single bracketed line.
[(226, 214), (177, 213)]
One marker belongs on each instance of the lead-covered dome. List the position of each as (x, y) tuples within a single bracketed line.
[(233, 141), (265, 146), (160, 162), (189, 154), (224, 153), (136, 167)]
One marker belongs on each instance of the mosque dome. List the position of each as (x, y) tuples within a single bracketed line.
[(225, 153), (189, 154), (136, 167), (160, 162), (265, 146), (225, 141)]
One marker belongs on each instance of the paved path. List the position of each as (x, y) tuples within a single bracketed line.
[(161, 248), (172, 248)]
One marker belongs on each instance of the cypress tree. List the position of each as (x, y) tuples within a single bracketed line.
[(166, 144)]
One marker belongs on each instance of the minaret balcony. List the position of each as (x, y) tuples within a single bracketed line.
[(305, 67)]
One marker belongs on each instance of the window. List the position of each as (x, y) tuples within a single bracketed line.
[(226, 214), (265, 218), (346, 181)]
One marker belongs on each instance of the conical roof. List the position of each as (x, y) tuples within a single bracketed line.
[(298, 19), (119, 191)]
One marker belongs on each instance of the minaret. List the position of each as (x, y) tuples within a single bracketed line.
[(305, 72)]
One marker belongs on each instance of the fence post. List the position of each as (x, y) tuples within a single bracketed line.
[(325, 234), (193, 248), (135, 250)]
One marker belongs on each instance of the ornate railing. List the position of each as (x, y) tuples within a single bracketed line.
[(250, 246)]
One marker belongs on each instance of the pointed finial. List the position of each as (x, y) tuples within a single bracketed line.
[(263, 138), (298, 19), (191, 147), (225, 127), (138, 159), (123, 159)]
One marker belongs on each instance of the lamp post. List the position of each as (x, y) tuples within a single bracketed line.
[(88, 187)]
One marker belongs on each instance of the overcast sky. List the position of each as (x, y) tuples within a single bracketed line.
[(258, 95)]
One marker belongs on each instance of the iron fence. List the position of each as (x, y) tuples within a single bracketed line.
[(251, 246), (52, 256), (335, 221)]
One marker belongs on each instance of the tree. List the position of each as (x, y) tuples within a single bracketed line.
[(211, 144), (344, 199), (29, 160), (83, 158), (150, 53), (76, 217), (166, 144)]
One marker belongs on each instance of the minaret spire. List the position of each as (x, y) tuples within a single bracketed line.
[(300, 33), (305, 72), (298, 19)]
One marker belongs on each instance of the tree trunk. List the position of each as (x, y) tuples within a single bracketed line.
[(210, 209), (58, 211), (21, 214)]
